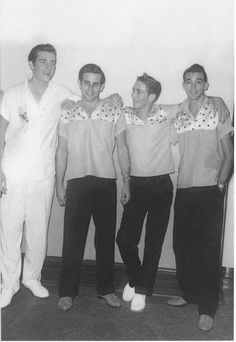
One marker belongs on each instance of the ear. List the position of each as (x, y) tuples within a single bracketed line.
[(183, 85), (102, 87), (206, 86), (151, 97), (31, 65), (79, 83)]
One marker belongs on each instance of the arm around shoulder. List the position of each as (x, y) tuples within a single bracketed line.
[(220, 107)]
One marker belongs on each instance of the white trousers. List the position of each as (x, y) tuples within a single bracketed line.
[(26, 204)]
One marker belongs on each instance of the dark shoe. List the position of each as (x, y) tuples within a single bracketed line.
[(177, 301), (65, 303), (205, 323), (111, 300)]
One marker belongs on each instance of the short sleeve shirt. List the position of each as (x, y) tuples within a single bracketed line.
[(31, 135), (91, 140), (199, 139), (149, 142)]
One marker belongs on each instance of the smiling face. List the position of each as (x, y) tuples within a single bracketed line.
[(195, 85), (44, 66), (91, 86)]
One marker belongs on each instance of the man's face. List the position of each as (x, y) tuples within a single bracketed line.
[(194, 85), (91, 86), (140, 95), (44, 66)]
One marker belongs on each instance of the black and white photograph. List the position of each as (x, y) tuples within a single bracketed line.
[(116, 170)]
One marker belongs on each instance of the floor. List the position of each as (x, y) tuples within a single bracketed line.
[(30, 319)]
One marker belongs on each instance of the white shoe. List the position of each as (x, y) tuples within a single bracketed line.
[(6, 296), (205, 323), (138, 303), (128, 293), (37, 288)]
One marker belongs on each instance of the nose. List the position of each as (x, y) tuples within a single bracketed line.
[(133, 95), (47, 67)]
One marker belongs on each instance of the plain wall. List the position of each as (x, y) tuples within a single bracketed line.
[(126, 38)]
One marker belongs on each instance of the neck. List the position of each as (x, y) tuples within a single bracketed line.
[(195, 105), (142, 113), (90, 106), (37, 85), (37, 88)]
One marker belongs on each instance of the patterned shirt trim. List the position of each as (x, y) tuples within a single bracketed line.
[(103, 111), (205, 120), (156, 116)]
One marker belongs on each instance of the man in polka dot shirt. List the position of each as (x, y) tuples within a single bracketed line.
[(148, 141), (87, 138), (206, 158)]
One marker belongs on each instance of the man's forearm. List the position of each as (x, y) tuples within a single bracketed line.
[(123, 157), (3, 127), (225, 170), (227, 163), (61, 164)]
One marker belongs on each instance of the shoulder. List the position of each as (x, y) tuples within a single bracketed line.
[(15, 88), (13, 94), (170, 110)]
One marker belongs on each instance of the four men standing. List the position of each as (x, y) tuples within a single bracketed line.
[(87, 136)]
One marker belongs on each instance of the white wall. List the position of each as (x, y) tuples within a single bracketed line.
[(126, 38)]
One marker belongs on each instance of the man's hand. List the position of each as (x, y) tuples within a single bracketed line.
[(3, 184), (125, 192), (61, 195), (115, 100), (67, 105), (221, 108)]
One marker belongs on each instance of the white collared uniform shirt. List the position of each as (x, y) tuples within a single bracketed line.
[(31, 135)]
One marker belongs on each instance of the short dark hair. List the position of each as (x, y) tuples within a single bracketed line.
[(38, 48), (153, 86), (93, 68), (196, 68)]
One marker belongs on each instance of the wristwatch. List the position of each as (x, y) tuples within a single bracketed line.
[(221, 187)]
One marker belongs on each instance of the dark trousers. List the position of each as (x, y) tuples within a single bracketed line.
[(86, 197), (197, 245), (151, 196)]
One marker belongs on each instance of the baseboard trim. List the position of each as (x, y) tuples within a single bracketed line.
[(165, 280)]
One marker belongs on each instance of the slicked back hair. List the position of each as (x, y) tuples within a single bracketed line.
[(92, 68), (38, 48), (196, 68), (153, 86)]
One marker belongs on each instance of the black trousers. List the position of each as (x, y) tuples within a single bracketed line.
[(85, 198), (151, 196), (197, 245)]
